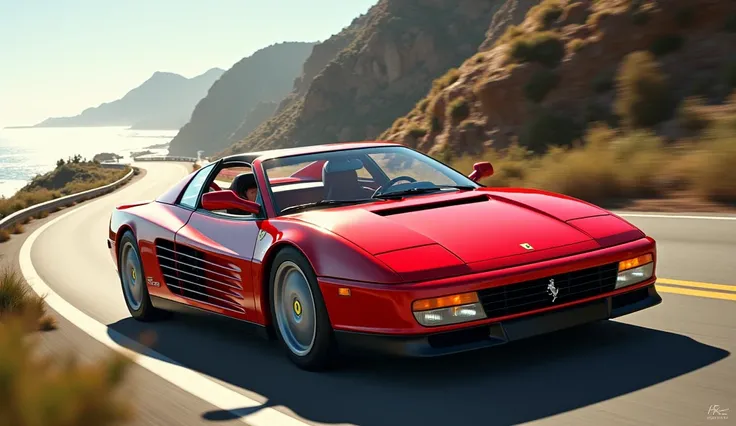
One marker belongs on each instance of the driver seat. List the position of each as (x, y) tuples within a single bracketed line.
[(340, 179), (240, 185)]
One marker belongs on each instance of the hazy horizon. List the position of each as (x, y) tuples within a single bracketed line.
[(61, 58)]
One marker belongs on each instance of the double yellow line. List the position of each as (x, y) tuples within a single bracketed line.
[(694, 288)]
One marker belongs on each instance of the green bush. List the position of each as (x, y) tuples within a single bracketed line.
[(541, 82), (435, 125), (643, 97), (459, 109), (416, 131), (547, 13), (549, 129), (546, 48), (667, 44)]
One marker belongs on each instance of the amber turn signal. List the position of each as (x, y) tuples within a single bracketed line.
[(635, 262), (444, 301)]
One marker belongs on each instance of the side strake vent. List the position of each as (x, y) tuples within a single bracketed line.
[(430, 206), (189, 273)]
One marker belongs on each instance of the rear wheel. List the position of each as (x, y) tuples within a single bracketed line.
[(298, 310), (133, 281)]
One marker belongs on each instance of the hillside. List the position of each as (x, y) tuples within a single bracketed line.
[(164, 101), (544, 81), (624, 103), (265, 76), (398, 48)]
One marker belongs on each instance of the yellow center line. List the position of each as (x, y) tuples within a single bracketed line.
[(696, 284), (666, 285), (697, 293)]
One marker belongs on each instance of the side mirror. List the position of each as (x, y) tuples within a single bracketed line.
[(228, 200), (481, 170)]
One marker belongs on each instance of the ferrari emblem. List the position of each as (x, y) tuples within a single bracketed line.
[(297, 308), (261, 234), (527, 246), (133, 275), (552, 290)]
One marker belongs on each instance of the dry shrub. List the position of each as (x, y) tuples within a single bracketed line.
[(643, 97), (714, 160), (53, 391), (47, 390), (17, 228), (17, 299), (4, 235), (546, 48), (546, 13)]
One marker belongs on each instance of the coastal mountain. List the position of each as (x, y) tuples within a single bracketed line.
[(164, 101), (360, 80), (551, 70), (246, 95)]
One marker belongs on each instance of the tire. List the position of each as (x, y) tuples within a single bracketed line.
[(133, 281), (300, 318)]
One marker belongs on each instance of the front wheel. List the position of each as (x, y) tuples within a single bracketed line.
[(299, 313), (133, 281)]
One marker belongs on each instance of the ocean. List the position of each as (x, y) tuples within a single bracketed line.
[(25, 153)]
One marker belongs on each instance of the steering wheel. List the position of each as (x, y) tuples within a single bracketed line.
[(393, 182)]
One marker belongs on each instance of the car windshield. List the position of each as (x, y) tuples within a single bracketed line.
[(351, 176)]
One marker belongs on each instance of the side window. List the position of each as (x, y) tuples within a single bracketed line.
[(240, 179), (189, 198)]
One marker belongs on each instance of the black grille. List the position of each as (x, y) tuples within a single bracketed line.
[(530, 295)]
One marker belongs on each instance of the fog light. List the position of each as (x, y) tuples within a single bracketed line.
[(634, 271), (448, 310)]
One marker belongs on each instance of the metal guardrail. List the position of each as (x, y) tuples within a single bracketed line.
[(165, 158), (50, 205)]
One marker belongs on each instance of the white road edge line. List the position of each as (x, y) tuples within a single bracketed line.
[(667, 216), (191, 381)]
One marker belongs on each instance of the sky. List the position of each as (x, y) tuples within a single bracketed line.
[(59, 57)]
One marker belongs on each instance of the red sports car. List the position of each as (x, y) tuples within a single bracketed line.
[(377, 246)]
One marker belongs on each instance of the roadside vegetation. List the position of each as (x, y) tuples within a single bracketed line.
[(45, 389), (70, 176), (611, 166)]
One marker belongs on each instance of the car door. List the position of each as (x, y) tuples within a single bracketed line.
[(214, 259)]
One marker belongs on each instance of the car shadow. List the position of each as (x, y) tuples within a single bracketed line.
[(510, 384)]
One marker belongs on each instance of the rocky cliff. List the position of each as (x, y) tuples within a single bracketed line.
[(541, 81), (266, 76), (397, 49)]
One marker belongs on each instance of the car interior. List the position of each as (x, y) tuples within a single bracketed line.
[(339, 181)]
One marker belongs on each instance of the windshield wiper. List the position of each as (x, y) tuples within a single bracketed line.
[(321, 203), (421, 190)]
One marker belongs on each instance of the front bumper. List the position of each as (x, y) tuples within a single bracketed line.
[(498, 333)]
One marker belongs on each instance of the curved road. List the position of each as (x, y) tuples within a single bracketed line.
[(666, 365)]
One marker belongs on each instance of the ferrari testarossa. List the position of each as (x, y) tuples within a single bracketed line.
[(376, 246)]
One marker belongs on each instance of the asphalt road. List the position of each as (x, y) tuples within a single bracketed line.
[(665, 365)]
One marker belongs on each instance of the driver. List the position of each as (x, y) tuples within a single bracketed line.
[(245, 186)]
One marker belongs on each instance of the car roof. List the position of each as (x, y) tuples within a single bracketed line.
[(250, 157)]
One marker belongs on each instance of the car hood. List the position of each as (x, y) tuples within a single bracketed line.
[(474, 226)]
